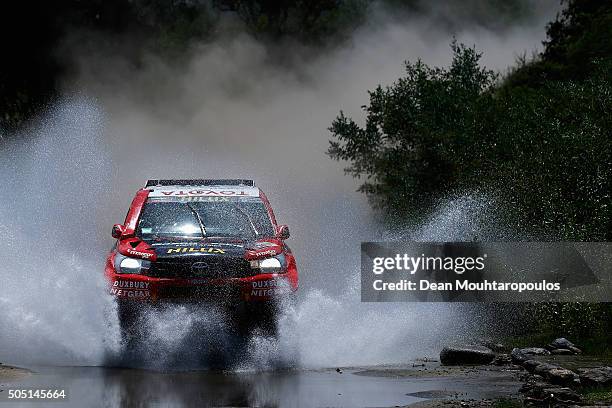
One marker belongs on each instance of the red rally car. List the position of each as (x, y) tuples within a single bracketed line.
[(200, 241)]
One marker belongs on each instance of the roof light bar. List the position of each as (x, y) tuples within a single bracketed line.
[(200, 182)]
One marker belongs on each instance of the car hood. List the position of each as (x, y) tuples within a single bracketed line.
[(184, 249)]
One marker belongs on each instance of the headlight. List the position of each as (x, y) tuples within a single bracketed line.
[(268, 265), (123, 264)]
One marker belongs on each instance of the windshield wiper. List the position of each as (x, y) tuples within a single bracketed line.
[(200, 223)]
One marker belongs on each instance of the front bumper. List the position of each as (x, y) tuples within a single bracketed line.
[(255, 288)]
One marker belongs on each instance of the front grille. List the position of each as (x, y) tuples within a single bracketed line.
[(202, 267), (206, 292)]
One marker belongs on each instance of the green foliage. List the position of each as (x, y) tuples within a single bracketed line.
[(174, 25), (507, 403), (580, 322), (416, 132), (588, 325), (598, 396), (580, 36), (576, 42), (543, 149), (553, 155), (307, 21)]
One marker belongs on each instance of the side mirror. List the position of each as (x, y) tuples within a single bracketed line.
[(283, 232), (118, 231)]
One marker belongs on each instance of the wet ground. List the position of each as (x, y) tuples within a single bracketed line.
[(353, 387)]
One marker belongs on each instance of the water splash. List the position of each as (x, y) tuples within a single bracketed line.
[(226, 113)]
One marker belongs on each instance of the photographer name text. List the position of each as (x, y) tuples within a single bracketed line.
[(427, 285)]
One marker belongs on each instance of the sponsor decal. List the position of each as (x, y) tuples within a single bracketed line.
[(182, 199), (204, 193), (192, 249), (207, 192), (268, 288), (264, 284), (143, 255), (131, 289), (131, 284), (130, 293), (263, 292), (270, 252), (263, 249), (206, 199)]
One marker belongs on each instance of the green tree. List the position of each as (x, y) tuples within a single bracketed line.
[(307, 21), (413, 145), (544, 153)]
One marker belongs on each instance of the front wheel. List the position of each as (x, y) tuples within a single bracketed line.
[(256, 317), (131, 325)]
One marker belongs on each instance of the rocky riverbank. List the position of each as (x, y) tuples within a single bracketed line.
[(469, 376), (554, 375)]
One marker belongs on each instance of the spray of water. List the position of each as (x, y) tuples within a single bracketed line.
[(52, 187), (228, 111)]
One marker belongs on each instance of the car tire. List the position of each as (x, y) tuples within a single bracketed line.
[(129, 316), (256, 317)]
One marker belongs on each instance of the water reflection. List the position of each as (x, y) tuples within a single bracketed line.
[(118, 387)]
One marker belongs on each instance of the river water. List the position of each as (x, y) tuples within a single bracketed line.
[(353, 387)]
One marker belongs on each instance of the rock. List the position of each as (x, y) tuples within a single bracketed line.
[(466, 355), (502, 359), (562, 394), (542, 393), (551, 372), (561, 376), (534, 388), (517, 356), (560, 351), (530, 365), (535, 351), (595, 376), (496, 347), (562, 342)]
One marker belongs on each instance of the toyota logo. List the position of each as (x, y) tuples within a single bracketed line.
[(199, 268)]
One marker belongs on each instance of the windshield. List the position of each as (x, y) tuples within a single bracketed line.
[(198, 219)]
